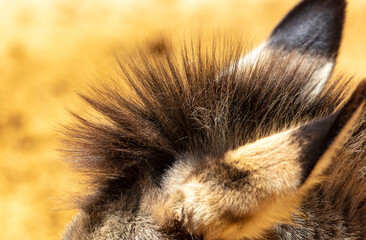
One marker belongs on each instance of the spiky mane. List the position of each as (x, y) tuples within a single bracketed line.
[(198, 100)]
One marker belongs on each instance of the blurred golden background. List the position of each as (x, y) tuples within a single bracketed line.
[(51, 48)]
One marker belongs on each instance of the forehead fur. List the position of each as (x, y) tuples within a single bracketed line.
[(198, 100)]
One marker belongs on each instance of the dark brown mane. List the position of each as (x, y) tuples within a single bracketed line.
[(195, 100), (212, 140)]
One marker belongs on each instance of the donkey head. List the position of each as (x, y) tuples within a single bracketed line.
[(215, 150)]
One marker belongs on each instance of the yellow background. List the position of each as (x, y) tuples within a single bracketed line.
[(51, 48)]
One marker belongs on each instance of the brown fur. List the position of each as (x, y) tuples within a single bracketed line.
[(195, 144)]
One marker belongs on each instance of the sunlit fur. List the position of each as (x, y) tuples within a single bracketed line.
[(171, 117)]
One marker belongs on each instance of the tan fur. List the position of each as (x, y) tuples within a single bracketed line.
[(274, 192), (216, 145)]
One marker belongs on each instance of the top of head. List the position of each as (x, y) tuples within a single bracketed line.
[(219, 144)]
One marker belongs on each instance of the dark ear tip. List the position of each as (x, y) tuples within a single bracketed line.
[(311, 26)]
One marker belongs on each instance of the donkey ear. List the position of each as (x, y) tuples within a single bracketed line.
[(267, 179), (313, 26)]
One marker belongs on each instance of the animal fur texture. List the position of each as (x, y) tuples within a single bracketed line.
[(219, 142)]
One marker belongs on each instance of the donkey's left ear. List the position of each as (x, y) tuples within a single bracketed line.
[(313, 28)]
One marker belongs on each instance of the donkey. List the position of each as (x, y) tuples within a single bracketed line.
[(221, 143)]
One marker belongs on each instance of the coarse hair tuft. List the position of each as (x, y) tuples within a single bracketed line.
[(194, 99)]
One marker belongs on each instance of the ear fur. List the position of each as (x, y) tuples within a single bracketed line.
[(267, 179), (313, 28)]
